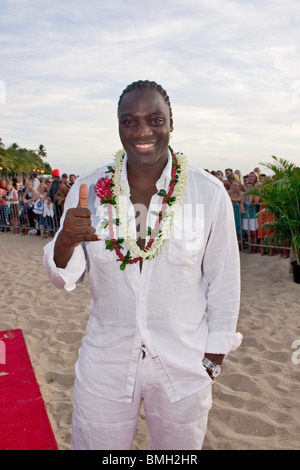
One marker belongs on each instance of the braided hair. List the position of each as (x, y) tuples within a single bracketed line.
[(150, 85)]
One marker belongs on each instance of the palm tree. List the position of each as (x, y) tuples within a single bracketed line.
[(6, 162), (42, 152), (21, 161)]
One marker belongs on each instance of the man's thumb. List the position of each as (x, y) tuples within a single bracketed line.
[(83, 196)]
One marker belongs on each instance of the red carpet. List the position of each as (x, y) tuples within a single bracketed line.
[(24, 423)]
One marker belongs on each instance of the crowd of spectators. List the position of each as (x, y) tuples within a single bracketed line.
[(34, 207), (249, 212)]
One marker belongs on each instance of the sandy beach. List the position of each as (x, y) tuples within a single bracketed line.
[(256, 400)]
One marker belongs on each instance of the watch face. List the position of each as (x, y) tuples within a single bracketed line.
[(217, 371), (214, 370)]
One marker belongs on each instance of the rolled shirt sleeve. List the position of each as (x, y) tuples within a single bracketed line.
[(68, 277), (223, 343)]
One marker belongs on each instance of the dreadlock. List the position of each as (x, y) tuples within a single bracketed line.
[(150, 85)]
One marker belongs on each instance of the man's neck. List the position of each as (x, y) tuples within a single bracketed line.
[(145, 174)]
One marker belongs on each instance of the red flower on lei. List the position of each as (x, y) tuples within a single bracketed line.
[(103, 189)]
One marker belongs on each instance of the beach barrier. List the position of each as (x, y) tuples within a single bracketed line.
[(252, 232), (22, 218), (253, 229)]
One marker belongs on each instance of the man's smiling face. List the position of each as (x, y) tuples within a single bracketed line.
[(144, 126)]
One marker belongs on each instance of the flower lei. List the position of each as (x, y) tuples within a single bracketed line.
[(109, 191)]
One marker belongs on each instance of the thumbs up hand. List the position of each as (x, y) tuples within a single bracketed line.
[(83, 196), (77, 228)]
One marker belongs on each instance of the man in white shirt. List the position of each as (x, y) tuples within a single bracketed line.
[(158, 241)]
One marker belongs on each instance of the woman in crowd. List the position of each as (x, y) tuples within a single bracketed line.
[(239, 176), (61, 195), (3, 207), (39, 207), (12, 203), (235, 193), (253, 177), (248, 210), (29, 196)]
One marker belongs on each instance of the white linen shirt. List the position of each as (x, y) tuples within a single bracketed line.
[(183, 303)]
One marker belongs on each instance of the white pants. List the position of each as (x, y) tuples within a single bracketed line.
[(250, 224), (102, 424)]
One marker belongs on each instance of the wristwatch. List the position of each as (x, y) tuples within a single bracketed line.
[(213, 369)]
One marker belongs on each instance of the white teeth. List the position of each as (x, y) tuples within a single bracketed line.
[(144, 146)]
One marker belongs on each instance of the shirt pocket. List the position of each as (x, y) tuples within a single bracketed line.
[(186, 239), (185, 251), (98, 253)]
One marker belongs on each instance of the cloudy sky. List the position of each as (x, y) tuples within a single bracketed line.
[(231, 69)]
